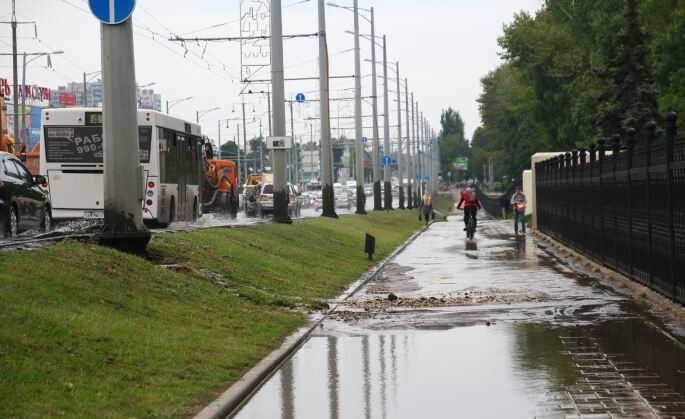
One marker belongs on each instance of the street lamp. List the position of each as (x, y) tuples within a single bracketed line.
[(198, 114), (23, 83), (171, 103), (85, 84)]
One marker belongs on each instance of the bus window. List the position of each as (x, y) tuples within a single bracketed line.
[(144, 141)]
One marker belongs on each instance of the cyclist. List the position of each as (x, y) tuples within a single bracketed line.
[(471, 206)]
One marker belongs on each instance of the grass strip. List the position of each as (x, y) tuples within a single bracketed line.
[(87, 331)]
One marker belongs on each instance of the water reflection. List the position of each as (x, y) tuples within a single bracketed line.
[(511, 370)]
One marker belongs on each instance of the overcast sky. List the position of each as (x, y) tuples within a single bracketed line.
[(444, 47)]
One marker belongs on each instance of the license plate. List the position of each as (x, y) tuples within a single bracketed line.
[(93, 214)]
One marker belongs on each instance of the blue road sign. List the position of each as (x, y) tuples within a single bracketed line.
[(366, 140), (387, 160), (112, 12), (300, 97), (418, 176)]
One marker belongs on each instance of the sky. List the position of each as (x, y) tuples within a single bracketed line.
[(443, 47)]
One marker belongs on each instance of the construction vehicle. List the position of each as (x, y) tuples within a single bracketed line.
[(253, 187), (219, 183)]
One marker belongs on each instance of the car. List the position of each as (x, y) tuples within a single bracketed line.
[(24, 204), (265, 200), (368, 190), (342, 198)]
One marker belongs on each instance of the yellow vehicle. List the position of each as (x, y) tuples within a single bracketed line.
[(251, 192)]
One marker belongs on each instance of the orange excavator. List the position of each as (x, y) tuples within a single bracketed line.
[(219, 183)]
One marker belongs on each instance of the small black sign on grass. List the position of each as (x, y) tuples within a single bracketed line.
[(370, 245)]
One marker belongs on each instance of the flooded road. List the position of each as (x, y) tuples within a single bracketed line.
[(490, 328)]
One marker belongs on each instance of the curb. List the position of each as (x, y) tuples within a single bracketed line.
[(228, 403)]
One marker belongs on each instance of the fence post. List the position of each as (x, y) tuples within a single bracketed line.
[(671, 130), (651, 136), (602, 154), (630, 146), (573, 195), (567, 194), (580, 201), (615, 150), (593, 218)]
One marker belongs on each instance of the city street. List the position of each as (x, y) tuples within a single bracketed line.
[(497, 327)]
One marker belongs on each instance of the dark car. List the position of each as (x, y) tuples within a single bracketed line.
[(23, 203)]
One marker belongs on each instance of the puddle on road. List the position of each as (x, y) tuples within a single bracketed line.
[(536, 339), (623, 369)]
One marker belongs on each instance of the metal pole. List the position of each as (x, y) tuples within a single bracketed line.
[(278, 88), (15, 94), (197, 117), (167, 107), (361, 196), (268, 104), (419, 138), (218, 125), (85, 91), (413, 142), (237, 146), (377, 203), (244, 142), (408, 147), (261, 151), (293, 151), (123, 185), (22, 132), (328, 209), (387, 187), (400, 167)]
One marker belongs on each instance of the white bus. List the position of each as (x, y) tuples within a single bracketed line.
[(71, 159)]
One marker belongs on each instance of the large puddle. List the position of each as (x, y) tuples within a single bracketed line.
[(490, 328), (506, 370)]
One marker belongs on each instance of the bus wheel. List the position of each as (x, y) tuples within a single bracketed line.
[(172, 211), (195, 214)]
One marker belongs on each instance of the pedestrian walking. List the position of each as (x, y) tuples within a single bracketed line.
[(518, 203), (426, 206)]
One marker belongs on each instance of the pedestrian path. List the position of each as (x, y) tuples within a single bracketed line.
[(496, 327)]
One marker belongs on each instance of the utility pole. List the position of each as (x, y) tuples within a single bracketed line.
[(419, 167), (123, 183), (387, 187), (237, 146), (410, 176), (278, 88), (400, 166), (359, 175), (293, 155), (328, 192), (218, 125), (85, 92), (377, 203), (261, 152), (244, 141), (412, 148)]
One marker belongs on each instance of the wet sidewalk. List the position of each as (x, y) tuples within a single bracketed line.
[(491, 328)]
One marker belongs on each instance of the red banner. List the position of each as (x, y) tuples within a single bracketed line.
[(67, 99)]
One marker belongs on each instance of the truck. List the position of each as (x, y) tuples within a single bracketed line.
[(219, 184), (251, 192)]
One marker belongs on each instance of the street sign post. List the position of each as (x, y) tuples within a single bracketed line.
[(300, 97), (123, 175), (112, 12), (387, 160)]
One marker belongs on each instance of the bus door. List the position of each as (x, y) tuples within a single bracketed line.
[(181, 156)]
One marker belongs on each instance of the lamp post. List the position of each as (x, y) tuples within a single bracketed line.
[(23, 84), (86, 79), (171, 103), (409, 162), (199, 114)]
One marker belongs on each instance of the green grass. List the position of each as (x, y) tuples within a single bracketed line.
[(90, 332), (444, 204)]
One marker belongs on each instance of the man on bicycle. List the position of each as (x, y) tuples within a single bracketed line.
[(471, 206)]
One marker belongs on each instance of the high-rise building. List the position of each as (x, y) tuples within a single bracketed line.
[(147, 98)]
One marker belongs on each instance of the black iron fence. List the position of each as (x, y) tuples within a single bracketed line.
[(622, 203), (494, 205)]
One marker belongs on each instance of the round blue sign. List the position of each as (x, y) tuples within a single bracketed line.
[(300, 97), (112, 12), (387, 160), (366, 140)]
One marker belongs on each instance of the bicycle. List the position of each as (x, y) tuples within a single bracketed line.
[(471, 227)]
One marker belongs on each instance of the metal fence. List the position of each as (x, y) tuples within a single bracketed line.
[(493, 206), (622, 203)]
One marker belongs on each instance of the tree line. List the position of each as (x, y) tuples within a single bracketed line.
[(574, 72)]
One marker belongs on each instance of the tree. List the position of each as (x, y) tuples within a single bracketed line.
[(453, 144)]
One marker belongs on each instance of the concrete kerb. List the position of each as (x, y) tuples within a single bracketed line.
[(231, 400), (655, 302)]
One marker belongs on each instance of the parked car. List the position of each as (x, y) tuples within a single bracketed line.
[(24, 204), (265, 200), (342, 199)]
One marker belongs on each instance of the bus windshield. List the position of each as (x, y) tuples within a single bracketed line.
[(83, 144)]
